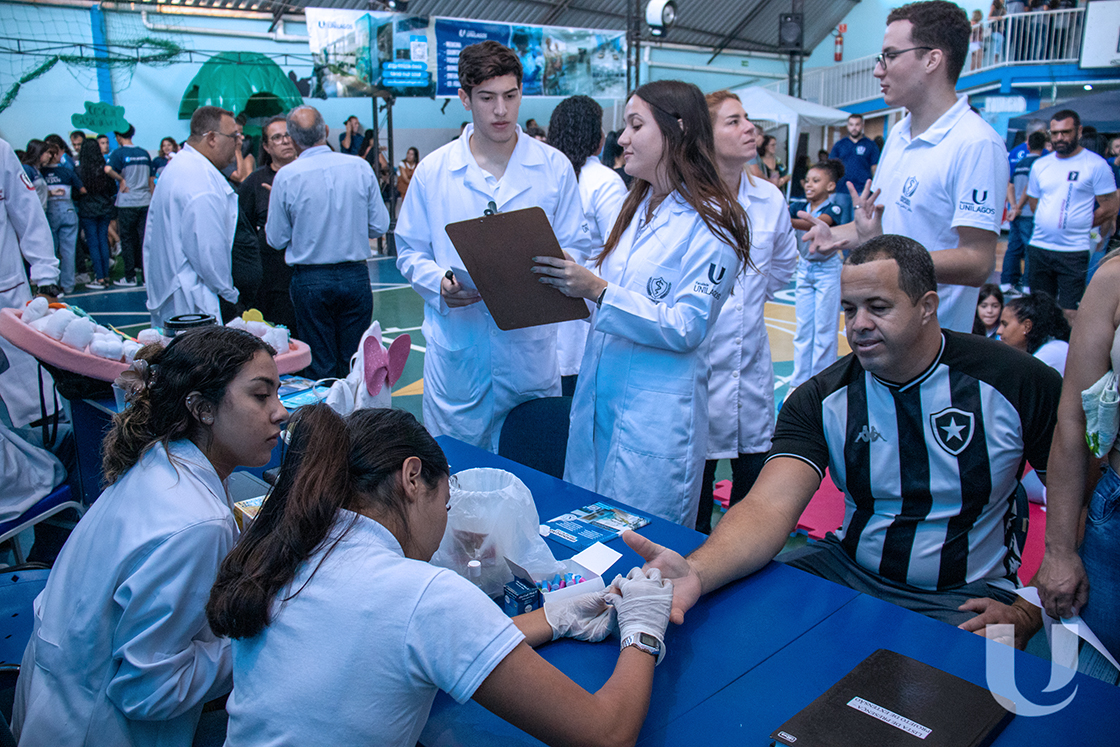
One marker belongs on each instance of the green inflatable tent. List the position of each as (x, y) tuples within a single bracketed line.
[(241, 82)]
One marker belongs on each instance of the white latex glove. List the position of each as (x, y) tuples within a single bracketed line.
[(587, 617), (643, 602)]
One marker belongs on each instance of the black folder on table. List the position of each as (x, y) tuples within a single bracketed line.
[(498, 252), (890, 699)]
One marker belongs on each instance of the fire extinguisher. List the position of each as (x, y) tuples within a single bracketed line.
[(838, 54)]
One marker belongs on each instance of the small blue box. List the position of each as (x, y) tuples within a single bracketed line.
[(520, 598)]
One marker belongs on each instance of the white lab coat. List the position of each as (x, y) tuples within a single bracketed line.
[(601, 193), (741, 387), (24, 236), (475, 373), (188, 240), (122, 653), (27, 472), (639, 428)]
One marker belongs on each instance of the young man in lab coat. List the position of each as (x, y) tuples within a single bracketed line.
[(475, 373)]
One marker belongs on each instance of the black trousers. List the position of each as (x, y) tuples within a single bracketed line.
[(130, 225)]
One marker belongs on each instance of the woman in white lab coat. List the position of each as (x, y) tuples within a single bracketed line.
[(576, 130), (639, 429), (121, 652), (741, 387), (343, 632)]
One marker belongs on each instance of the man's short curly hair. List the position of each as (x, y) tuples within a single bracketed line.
[(480, 62), (939, 25)]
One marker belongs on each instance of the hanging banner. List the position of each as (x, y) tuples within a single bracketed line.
[(360, 52)]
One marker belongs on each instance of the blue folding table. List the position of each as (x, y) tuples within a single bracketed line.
[(767, 695), (726, 634)]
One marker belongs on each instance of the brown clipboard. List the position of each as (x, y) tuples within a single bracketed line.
[(497, 250)]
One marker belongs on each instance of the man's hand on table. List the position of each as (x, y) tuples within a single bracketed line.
[(1026, 618), (686, 582)]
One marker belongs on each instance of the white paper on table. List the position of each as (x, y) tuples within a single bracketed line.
[(1073, 624), (597, 558)]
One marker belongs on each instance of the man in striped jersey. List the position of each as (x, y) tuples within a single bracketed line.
[(926, 432)]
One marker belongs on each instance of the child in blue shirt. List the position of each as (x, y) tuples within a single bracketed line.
[(818, 277)]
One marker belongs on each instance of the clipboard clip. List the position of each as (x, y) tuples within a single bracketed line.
[(491, 208)]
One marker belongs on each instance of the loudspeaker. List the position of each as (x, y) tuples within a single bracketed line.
[(791, 32)]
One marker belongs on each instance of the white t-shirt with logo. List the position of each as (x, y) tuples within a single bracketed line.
[(1065, 189), (954, 174)]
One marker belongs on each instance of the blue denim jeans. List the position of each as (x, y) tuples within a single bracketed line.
[(1017, 240), (64, 226), (1100, 553), (97, 238), (334, 307)]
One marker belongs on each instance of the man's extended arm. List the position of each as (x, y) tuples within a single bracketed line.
[(746, 538)]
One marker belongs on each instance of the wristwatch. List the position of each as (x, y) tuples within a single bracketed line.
[(645, 642)]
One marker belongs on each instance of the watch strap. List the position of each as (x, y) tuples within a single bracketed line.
[(634, 640)]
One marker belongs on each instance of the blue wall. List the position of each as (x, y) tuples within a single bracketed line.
[(151, 94)]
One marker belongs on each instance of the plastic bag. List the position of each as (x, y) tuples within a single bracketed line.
[(493, 517)]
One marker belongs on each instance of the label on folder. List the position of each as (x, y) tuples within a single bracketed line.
[(891, 699)]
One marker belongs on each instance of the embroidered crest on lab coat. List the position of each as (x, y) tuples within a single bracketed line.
[(657, 288)]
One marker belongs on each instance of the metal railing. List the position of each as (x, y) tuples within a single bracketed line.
[(1046, 37)]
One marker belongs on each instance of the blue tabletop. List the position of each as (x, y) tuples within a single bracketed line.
[(763, 699), (726, 634)]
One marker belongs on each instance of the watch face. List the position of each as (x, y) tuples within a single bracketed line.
[(647, 640)]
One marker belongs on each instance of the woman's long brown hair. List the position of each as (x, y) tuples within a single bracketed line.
[(682, 117)]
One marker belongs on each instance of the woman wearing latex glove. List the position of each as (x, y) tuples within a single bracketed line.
[(643, 601), (359, 508), (588, 617)]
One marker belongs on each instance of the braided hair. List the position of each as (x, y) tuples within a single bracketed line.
[(576, 129)]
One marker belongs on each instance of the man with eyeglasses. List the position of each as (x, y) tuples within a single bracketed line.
[(1061, 191), (277, 151), (191, 221), (943, 173)]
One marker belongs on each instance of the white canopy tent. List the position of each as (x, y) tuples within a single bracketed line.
[(763, 104)]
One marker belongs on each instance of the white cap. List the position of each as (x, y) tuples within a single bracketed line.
[(474, 569)]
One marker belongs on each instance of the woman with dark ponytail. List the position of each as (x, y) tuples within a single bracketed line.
[(122, 653), (576, 130), (640, 409), (343, 632)]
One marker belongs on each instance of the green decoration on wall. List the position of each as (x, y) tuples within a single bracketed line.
[(141, 51), (241, 82), (100, 118)]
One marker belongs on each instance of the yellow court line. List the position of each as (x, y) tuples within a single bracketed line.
[(416, 387)]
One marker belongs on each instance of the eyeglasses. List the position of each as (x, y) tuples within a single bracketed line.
[(235, 136), (885, 57), (279, 137)]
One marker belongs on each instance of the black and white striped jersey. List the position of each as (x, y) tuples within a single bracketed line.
[(928, 468)]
